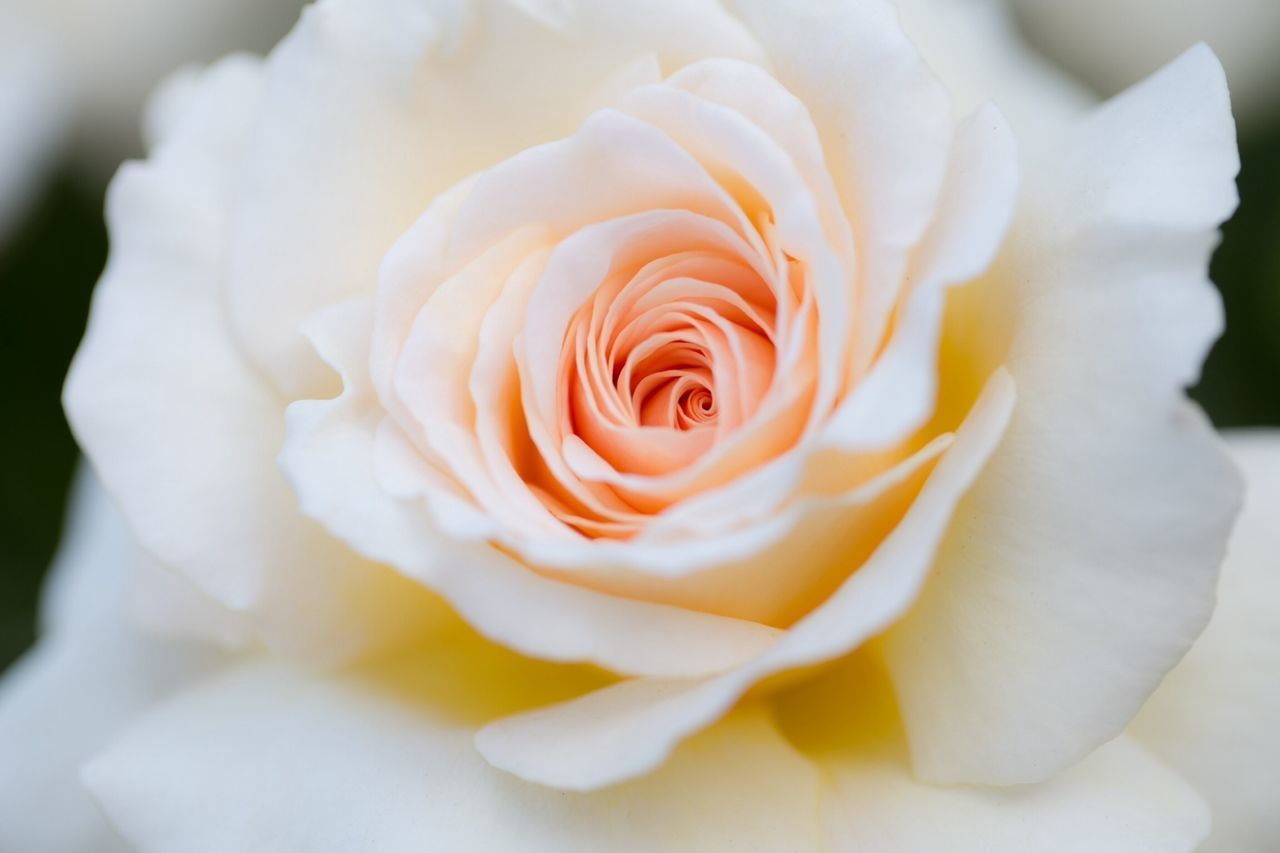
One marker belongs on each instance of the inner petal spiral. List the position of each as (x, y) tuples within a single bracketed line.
[(659, 366)]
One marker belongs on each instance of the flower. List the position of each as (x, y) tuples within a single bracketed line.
[(642, 374)]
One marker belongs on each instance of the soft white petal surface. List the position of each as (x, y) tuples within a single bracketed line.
[(88, 676), (182, 430), (390, 767), (1216, 718), (383, 761), (1117, 800), (1082, 565)]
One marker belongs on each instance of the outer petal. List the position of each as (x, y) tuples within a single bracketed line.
[(888, 162), (376, 107), (900, 392), (391, 768), (383, 760), (1082, 565), (181, 429), (89, 675), (628, 729), (1117, 800), (1216, 718)]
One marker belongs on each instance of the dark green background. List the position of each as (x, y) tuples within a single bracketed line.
[(49, 267)]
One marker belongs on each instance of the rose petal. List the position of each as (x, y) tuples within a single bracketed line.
[(1082, 565), (1215, 717), (182, 430), (391, 767), (387, 764), (900, 392), (1117, 800), (89, 674)]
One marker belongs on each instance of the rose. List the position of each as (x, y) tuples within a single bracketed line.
[(834, 480), (841, 399)]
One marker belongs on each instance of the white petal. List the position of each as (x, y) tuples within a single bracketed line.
[(1117, 800), (888, 159), (156, 307), (1216, 718), (900, 392), (1082, 565), (166, 604), (268, 758), (628, 729), (375, 107), (181, 429), (87, 677)]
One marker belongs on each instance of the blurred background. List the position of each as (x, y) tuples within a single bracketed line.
[(74, 76)]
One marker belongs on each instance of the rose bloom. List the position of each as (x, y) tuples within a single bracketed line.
[(674, 425)]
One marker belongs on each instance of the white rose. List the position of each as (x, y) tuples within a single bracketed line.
[(739, 352)]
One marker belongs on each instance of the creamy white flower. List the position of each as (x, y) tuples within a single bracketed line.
[(1114, 43), (706, 344)]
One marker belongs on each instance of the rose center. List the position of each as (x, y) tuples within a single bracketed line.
[(663, 362)]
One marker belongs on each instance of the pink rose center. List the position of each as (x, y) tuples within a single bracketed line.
[(659, 367)]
